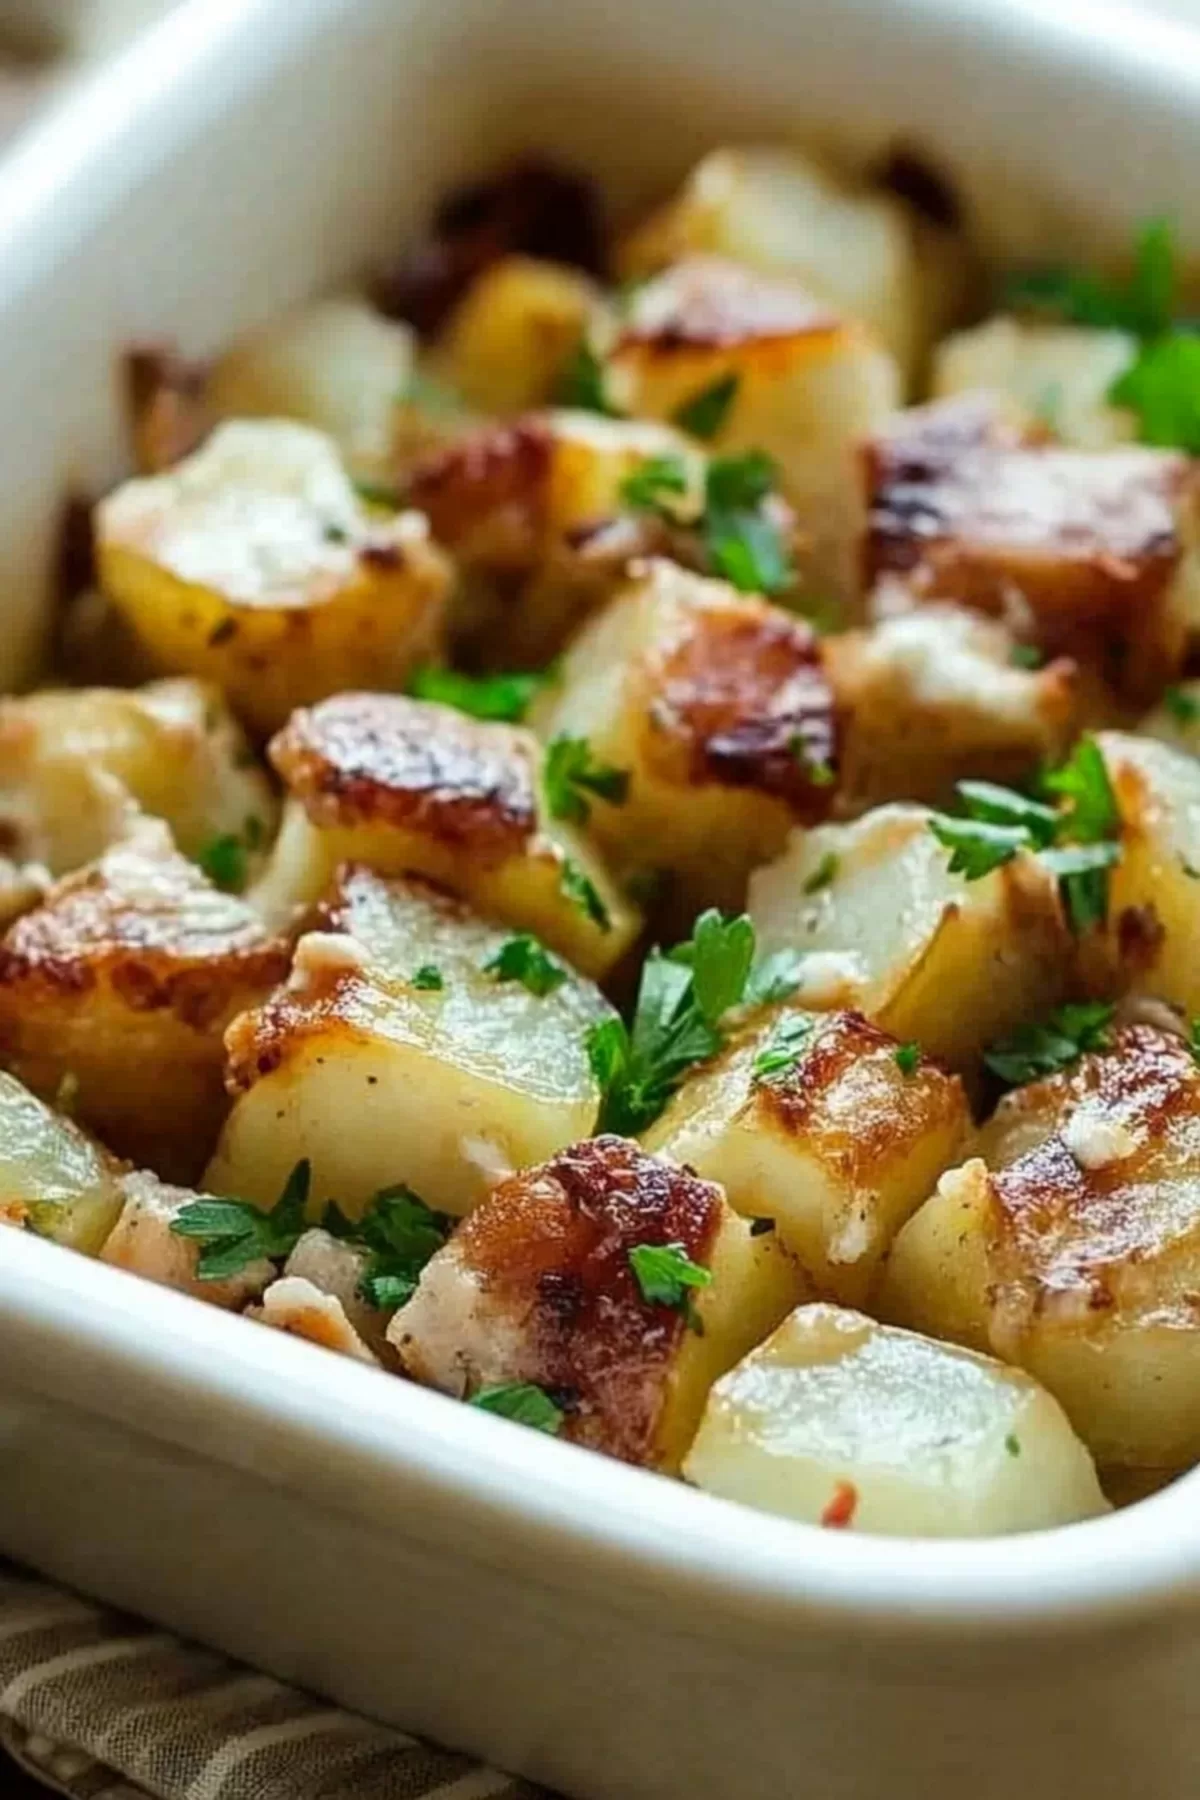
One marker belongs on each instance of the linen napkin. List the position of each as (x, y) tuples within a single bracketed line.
[(100, 1706)]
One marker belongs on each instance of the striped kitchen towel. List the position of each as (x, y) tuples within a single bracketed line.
[(99, 1706)]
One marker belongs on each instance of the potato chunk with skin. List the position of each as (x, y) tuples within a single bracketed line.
[(143, 1243), (1094, 555), (806, 385), (933, 696), (838, 1147), (888, 930), (510, 338), (841, 1422), (54, 1179), (538, 1286), (1055, 375), (377, 1077), (254, 564), (124, 980), (410, 787), (75, 764), (533, 514), (718, 706), (861, 251), (1073, 1247)]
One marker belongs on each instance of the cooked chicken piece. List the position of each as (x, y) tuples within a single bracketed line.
[(541, 1284), (754, 362), (534, 516), (886, 929), (124, 981), (397, 1053), (1091, 555), (510, 339), (1071, 1246), (294, 1305), (862, 251), (718, 707), (1055, 376), (76, 765), (406, 786), (841, 1422), (254, 564), (825, 1127), (53, 1178), (933, 696), (143, 1242), (337, 1268)]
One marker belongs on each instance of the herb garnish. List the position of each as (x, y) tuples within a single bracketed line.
[(1037, 1050), (1026, 656), (428, 979), (1012, 1444), (653, 482), (225, 858), (571, 774), (501, 698), (522, 958), (582, 892), (233, 1233), (1183, 707), (523, 1402), (907, 1058), (741, 541), (401, 1233), (783, 1049), (706, 411), (666, 1275), (1142, 305), (583, 384), (824, 873)]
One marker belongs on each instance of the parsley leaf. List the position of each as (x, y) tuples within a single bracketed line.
[(505, 698), (666, 1274), (740, 483), (748, 550), (522, 958), (787, 1043), (1026, 656), (1141, 305), (223, 860), (823, 875), (1002, 806), (1082, 871), (722, 952), (1163, 388), (977, 847), (402, 1233), (774, 977), (1083, 781), (583, 384), (1012, 1444), (1043, 1049), (646, 487), (523, 1402), (582, 892), (1183, 707), (706, 411), (907, 1058), (234, 1233), (570, 774), (428, 978)]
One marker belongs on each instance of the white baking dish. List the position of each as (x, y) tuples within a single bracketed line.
[(600, 1629)]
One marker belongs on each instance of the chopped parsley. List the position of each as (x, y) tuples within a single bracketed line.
[(654, 481), (1034, 1051), (523, 1402), (977, 847), (429, 979), (502, 698), (819, 772), (582, 892), (571, 776), (907, 1058), (824, 873), (1142, 305), (741, 541), (401, 1233), (706, 411), (1163, 388), (583, 384), (1183, 707), (666, 1276), (1026, 656), (376, 494), (1193, 1041), (783, 1049), (683, 996), (1012, 1444), (522, 958), (225, 859), (234, 1233)]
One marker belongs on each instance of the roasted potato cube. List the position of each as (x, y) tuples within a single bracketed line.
[(1057, 376), (143, 1242), (836, 1146), (122, 984), (888, 930), (540, 1285), (718, 707), (1088, 554), (841, 1422), (375, 1073), (335, 364), (862, 251), (53, 1178), (1073, 1248), (254, 564), (533, 515), (409, 787), (933, 696), (800, 383), (74, 763), (510, 338)]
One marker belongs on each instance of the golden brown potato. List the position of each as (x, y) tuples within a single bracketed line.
[(1072, 1247), (255, 565), (717, 705), (836, 1144), (931, 697), (1091, 555), (540, 1285), (1057, 376), (801, 383), (54, 1179), (864, 252), (122, 984), (75, 764), (887, 930), (510, 338), (533, 515), (396, 1054), (409, 787)]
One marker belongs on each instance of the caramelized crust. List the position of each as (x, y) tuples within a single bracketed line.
[(708, 303), (362, 759), (740, 697), (486, 495), (547, 1257)]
